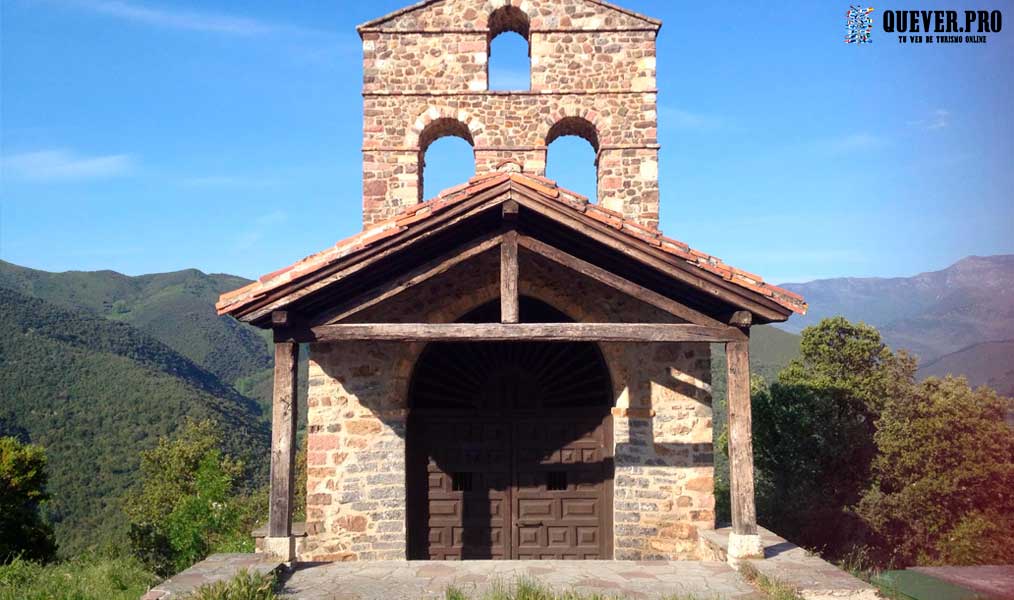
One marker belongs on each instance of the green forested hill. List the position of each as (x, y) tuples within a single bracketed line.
[(175, 308), (95, 392)]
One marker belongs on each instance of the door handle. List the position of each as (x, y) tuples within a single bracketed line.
[(531, 522)]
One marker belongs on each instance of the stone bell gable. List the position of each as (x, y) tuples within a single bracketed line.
[(425, 76)]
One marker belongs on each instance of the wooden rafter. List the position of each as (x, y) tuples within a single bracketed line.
[(618, 283), (411, 279)]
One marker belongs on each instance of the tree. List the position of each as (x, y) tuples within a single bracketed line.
[(814, 432), (188, 502), (22, 492), (943, 489)]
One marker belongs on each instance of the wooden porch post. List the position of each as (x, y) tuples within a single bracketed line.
[(744, 541), (279, 541)]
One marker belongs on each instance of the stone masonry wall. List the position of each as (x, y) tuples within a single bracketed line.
[(357, 412), (429, 65)]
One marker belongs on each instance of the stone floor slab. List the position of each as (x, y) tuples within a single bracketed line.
[(425, 579)]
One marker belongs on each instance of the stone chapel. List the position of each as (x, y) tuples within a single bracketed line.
[(509, 370)]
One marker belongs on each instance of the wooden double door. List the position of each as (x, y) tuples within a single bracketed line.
[(513, 486)]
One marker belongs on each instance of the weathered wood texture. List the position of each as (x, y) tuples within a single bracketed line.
[(744, 513), (283, 439), (547, 332), (509, 278), (617, 283)]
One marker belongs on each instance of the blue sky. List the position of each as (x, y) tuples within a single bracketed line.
[(146, 136)]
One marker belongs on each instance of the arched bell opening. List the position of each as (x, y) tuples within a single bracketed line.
[(509, 450)]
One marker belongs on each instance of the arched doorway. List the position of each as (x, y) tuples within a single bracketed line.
[(509, 452)]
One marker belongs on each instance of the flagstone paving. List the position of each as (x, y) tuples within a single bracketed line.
[(390, 580)]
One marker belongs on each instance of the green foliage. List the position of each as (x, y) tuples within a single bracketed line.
[(244, 586), (771, 588), (944, 479), (188, 504), (813, 432), (95, 393), (84, 578), (299, 494), (22, 492), (771, 350)]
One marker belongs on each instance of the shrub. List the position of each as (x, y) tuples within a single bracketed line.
[(943, 489), (814, 433), (244, 586), (188, 503), (84, 578), (22, 492)]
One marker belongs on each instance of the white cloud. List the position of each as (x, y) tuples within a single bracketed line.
[(670, 116), (182, 19), (937, 119), (51, 165)]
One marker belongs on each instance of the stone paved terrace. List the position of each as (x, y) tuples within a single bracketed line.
[(388, 580), (217, 567), (815, 579)]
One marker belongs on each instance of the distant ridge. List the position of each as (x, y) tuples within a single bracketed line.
[(96, 392)]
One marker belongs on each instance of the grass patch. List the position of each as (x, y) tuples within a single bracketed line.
[(530, 589), (772, 588), (244, 586), (85, 578)]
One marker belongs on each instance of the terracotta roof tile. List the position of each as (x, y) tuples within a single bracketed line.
[(236, 301)]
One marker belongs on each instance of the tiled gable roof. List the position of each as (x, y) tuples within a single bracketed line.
[(235, 301)]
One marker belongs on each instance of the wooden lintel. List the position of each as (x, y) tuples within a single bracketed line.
[(618, 283), (490, 332), (414, 277), (509, 277)]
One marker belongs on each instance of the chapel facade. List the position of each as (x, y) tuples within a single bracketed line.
[(509, 370)]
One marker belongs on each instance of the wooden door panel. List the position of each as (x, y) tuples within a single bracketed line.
[(517, 487)]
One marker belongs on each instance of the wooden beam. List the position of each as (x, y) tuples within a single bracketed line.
[(618, 283), (489, 332), (741, 484), (741, 318), (510, 210), (283, 439), (509, 277), (410, 279)]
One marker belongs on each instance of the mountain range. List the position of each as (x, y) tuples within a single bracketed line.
[(95, 366), (956, 320)]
